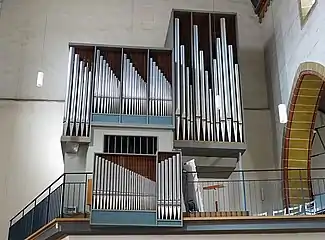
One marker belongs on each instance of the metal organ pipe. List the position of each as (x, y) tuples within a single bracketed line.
[(69, 84), (233, 92), (83, 100), (177, 79), (239, 106), (202, 94), (188, 99), (222, 90), (207, 100), (197, 83), (183, 87), (212, 124), (74, 92), (226, 75), (96, 80)]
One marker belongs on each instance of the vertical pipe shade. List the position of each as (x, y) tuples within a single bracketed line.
[(40, 78), (283, 117)]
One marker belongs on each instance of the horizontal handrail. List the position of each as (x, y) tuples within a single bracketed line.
[(206, 171), (257, 170), (45, 190)]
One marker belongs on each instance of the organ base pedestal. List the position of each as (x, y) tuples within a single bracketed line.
[(210, 149)]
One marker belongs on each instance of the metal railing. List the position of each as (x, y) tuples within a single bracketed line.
[(254, 193), (65, 197), (125, 183)]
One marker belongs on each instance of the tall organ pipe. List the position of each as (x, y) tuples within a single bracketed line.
[(197, 83), (239, 107), (225, 68), (207, 100), (188, 107), (69, 85), (202, 95), (96, 80), (212, 123), (222, 90), (234, 109), (88, 107), (183, 92), (177, 80), (83, 101)]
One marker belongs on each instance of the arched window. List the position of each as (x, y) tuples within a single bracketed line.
[(306, 7)]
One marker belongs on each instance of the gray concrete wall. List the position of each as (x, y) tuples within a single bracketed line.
[(288, 44)]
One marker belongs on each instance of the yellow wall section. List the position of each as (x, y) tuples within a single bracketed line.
[(299, 145), (298, 133)]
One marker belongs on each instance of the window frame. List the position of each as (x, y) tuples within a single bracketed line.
[(304, 19)]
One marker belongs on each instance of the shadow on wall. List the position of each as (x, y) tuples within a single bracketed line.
[(253, 78), (274, 94)]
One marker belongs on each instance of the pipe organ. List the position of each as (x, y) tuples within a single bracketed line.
[(124, 182), (208, 105), (191, 87), (138, 184), (118, 83), (204, 104)]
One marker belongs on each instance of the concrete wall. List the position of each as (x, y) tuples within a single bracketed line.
[(289, 44), (34, 35), (31, 155), (302, 236)]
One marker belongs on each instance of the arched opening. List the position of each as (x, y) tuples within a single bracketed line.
[(299, 131)]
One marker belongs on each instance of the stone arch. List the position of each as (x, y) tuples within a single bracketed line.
[(298, 133)]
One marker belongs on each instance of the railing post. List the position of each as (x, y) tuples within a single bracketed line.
[(185, 190), (301, 187), (242, 180), (48, 206), (85, 195), (62, 198), (32, 223)]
